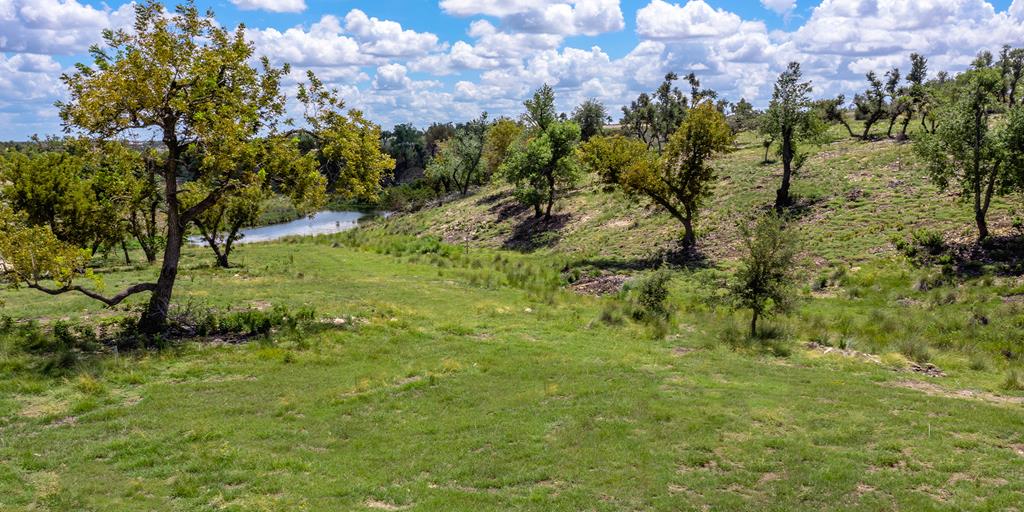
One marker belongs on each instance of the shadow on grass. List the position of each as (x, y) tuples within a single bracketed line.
[(680, 257), (536, 233), (1003, 255)]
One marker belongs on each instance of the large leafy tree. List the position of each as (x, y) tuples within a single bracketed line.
[(405, 143), (790, 118), (971, 149), (681, 179), (83, 192), (654, 118), (183, 77), (544, 161)]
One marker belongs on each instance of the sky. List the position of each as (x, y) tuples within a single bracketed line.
[(421, 61)]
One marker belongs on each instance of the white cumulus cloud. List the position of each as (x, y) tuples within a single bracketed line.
[(271, 5)]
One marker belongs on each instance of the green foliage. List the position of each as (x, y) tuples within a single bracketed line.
[(924, 246), (651, 295), (790, 118), (33, 256), (591, 115), (764, 282), (459, 162), (346, 144), (500, 138), (973, 152), (543, 161), (681, 179), (654, 118)]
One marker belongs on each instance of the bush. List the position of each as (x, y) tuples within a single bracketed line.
[(650, 295), (916, 350), (925, 246), (1014, 380)]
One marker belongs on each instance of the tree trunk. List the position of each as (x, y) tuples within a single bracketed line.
[(767, 147), (892, 122), (906, 123), (551, 194), (979, 219), (127, 259), (782, 195), (753, 325), (689, 237), (154, 319), (537, 213)]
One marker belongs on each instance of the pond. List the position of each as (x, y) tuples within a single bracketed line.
[(320, 223)]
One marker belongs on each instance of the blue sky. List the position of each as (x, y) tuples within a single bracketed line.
[(421, 61)]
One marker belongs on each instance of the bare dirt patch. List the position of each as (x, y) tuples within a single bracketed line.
[(383, 505), (603, 285), (966, 394)]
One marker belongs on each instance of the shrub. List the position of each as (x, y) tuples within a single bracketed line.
[(1014, 380), (915, 349), (651, 295), (925, 246)]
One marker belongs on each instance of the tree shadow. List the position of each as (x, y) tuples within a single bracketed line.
[(508, 210), (492, 198), (1002, 254), (677, 256), (535, 233)]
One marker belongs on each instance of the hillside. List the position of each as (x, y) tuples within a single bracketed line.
[(449, 388), (852, 197)]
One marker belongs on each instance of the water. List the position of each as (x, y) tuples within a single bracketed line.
[(321, 223)]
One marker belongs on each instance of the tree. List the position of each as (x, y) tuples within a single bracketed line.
[(460, 160), (543, 162), (917, 93), (188, 80), (591, 115), (790, 119), (681, 179), (743, 117), (81, 191), (654, 119), (220, 225), (972, 150), (435, 135), (764, 282), (500, 137), (832, 111), (871, 104), (406, 145), (345, 142), (1011, 65)]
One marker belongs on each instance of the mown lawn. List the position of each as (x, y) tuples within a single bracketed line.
[(442, 392)]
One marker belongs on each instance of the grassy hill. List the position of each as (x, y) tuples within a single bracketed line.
[(852, 196), (455, 385)]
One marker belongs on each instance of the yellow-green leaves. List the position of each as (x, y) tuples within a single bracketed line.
[(33, 254), (678, 180)]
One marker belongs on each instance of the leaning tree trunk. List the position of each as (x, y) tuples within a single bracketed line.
[(782, 195), (154, 319)]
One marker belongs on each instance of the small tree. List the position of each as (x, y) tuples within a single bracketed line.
[(681, 179), (460, 160), (591, 115), (973, 151), (764, 282), (221, 226), (544, 161), (871, 104), (790, 118)]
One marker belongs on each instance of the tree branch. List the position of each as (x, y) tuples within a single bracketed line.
[(109, 301)]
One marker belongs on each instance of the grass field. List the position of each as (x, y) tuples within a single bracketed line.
[(457, 386)]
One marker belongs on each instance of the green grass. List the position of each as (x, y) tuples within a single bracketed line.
[(466, 381)]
